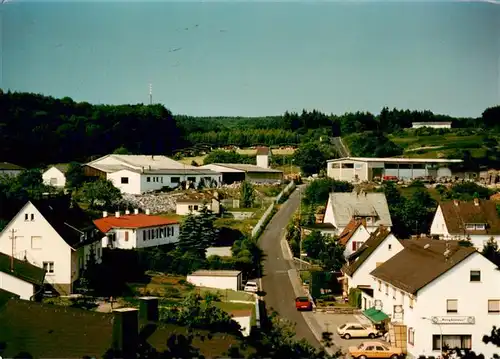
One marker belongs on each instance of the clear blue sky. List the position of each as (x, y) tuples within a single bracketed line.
[(257, 58)]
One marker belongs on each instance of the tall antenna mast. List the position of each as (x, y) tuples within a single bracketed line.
[(150, 94)]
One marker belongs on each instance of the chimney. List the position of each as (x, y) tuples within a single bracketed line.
[(148, 309), (104, 214), (117, 214), (455, 202), (136, 211), (147, 212), (476, 201), (126, 332), (127, 211)]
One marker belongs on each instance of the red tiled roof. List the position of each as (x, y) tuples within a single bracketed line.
[(349, 230), (132, 221)]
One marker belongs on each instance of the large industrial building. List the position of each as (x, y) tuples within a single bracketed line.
[(359, 169)]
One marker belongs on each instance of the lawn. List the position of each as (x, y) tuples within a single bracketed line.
[(408, 191), (244, 225), (245, 151)]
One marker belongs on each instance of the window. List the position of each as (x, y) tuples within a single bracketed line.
[(53, 181), (195, 207), (353, 245), (452, 341), (379, 286), (469, 227), (126, 236), (192, 179), (148, 179), (494, 306), (451, 306), (402, 298), (172, 231), (26, 216), (411, 336), (394, 293), (386, 289), (411, 302), (124, 180), (335, 165), (48, 267), (157, 233), (32, 217), (347, 165), (161, 179), (169, 231), (475, 275), (36, 242), (175, 180), (144, 235)]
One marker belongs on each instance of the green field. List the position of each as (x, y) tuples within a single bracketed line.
[(438, 146)]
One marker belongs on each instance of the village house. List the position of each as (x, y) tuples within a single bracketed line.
[(372, 208), (21, 278), (353, 236), (378, 248), (55, 175), (476, 220), (52, 331), (10, 169), (137, 230), (56, 235), (192, 202), (136, 174), (439, 289)]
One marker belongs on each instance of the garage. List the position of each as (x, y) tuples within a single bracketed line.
[(220, 279)]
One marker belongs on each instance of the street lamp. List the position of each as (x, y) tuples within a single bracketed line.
[(433, 320)]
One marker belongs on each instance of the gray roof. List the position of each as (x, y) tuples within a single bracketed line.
[(345, 206), (248, 168), (215, 273)]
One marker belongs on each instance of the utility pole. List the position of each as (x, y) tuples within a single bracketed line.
[(300, 228), (150, 94), (13, 249)]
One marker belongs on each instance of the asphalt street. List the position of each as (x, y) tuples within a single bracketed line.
[(280, 295)]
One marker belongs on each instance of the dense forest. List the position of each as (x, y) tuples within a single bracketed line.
[(36, 130)]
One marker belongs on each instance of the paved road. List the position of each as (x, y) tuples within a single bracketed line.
[(276, 282)]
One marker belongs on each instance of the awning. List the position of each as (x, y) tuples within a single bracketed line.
[(376, 316)]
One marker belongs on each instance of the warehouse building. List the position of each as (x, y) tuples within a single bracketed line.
[(359, 169)]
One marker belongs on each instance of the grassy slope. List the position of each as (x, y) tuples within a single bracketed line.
[(438, 146)]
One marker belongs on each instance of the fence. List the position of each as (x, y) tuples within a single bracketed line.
[(286, 191), (263, 220)]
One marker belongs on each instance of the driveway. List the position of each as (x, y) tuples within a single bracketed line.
[(280, 294)]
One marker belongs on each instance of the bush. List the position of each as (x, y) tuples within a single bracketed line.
[(212, 297), (355, 297)]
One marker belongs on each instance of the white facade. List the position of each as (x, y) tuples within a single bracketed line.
[(362, 277), (39, 243), (183, 208), (431, 124), (359, 169), (359, 237), (130, 238), (136, 174), (219, 251), (54, 177), (220, 280), (439, 228), (470, 299), (262, 161), (10, 283)]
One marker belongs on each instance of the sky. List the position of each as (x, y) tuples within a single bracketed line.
[(257, 58)]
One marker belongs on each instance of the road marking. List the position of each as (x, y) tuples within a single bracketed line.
[(281, 272)]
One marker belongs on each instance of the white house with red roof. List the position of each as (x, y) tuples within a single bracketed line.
[(137, 230)]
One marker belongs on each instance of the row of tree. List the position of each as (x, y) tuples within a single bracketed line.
[(62, 130)]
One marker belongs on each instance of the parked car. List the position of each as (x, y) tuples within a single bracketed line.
[(251, 286), (368, 350), (356, 330), (303, 303)]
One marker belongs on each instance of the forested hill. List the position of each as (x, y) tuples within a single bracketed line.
[(37, 130)]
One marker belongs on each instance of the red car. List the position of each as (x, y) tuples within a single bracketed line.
[(303, 303)]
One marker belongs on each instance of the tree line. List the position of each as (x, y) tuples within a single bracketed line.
[(62, 130)]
